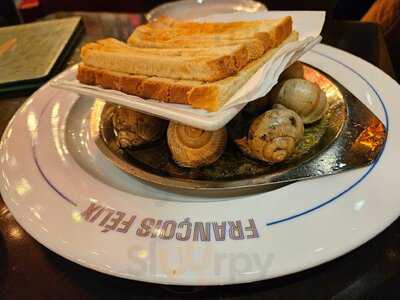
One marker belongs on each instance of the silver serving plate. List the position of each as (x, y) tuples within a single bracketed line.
[(350, 136)]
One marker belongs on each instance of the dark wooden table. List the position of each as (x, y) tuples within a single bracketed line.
[(30, 271)]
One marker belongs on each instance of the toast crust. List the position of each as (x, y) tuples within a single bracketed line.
[(164, 90)]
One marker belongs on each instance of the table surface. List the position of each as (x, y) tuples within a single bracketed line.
[(30, 271)]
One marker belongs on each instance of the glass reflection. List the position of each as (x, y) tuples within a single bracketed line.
[(358, 205), (15, 233), (55, 121), (32, 124), (76, 216), (23, 187)]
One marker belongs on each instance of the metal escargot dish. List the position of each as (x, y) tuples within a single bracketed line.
[(307, 126)]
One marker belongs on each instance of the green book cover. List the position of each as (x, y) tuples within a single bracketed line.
[(29, 52)]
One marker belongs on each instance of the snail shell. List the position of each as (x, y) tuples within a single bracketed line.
[(296, 70), (274, 134), (238, 129), (191, 147), (134, 128), (304, 97), (257, 106), (243, 145)]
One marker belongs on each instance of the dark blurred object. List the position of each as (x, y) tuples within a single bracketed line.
[(387, 14), (359, 41), (100, 5), (351, 9), (30, 10), (9, 14), (143, 6), (326, 5)]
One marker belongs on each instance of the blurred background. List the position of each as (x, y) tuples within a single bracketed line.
[(338, 9), (384, 12)]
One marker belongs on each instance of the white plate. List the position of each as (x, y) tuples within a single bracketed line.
[(51, 172), (191, 9)]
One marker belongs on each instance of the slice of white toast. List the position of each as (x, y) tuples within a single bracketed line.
[(169, 33), (199, 94), (204, 64)]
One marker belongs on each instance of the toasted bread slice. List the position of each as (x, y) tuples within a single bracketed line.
[(198, 94), (216, 50), (204, 64), (168, 33)]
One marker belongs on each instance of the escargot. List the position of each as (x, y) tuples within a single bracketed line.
[(302, 96), (133, 128), (295, 70), (257, 106), (273, 135), (191, 147), (238, 129)]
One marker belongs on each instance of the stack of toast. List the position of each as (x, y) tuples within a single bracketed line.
[(199, 64)]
